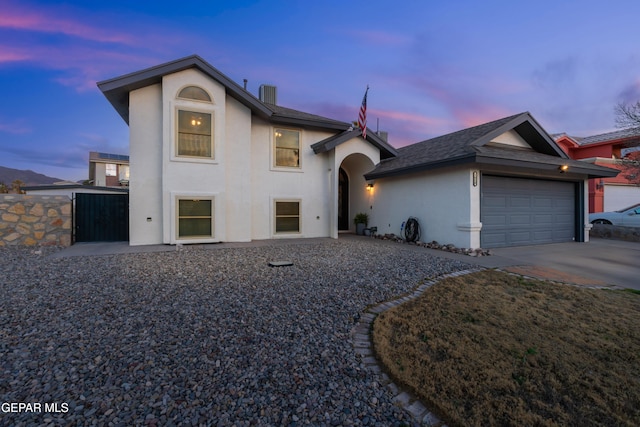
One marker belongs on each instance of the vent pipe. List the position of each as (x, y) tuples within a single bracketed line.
[(245, 83)]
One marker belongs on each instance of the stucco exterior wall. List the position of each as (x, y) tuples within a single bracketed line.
[(189, 176), (445, 203), (145, 159), (310, 184), (241, 179)]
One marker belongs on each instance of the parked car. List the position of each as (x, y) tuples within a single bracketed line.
[(629, 217)]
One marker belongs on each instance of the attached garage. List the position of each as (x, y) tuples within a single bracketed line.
[(517, 211), (498, 184)]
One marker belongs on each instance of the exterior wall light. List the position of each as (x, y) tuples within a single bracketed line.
[(564, 168), (369, 187)]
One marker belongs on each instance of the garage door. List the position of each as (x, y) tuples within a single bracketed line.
[(617, 197), (516, 211)]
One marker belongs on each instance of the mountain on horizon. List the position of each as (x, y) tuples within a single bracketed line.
[(29, 177)]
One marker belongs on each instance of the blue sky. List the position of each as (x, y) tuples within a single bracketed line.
[(432, 66)]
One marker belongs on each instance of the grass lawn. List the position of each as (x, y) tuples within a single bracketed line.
[(491, 348)]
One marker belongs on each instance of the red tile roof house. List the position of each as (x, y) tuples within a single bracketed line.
[(211, 162), (609, 149)]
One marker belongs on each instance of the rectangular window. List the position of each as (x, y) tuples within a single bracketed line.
[(195, 218), (287, 216), (287, 148), (194, 134), (110, 169), (124, 173)]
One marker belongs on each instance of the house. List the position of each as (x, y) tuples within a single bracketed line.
[(608, 149), (210, 162), (108, 170)]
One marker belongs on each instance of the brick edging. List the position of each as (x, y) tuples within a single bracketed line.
[(363, 345)]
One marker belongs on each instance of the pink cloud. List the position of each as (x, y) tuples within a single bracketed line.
[(12, 55), (14, 128), (46, 21), (80, 66)]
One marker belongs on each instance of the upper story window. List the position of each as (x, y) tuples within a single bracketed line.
[(287, 148), (195, 93), (110, 169), (194, 134), (194, 124)]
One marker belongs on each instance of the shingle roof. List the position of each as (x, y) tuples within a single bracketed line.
[(291, 116), (117, 90), (610, 136), (469, 146)]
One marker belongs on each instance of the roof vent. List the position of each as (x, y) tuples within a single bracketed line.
[(269, 94)]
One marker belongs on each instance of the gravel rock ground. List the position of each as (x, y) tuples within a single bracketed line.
[(199, 336)]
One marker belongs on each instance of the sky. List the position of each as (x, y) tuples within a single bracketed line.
[(433, 67)]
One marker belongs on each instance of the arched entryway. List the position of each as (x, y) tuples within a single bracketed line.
[(343, 200), (353, 197)]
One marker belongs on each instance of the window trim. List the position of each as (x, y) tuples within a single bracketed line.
[(176, 217), (274, 166), (210, 101), (176, 134), (276, 233)]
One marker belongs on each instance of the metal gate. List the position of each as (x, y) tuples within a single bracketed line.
[(101, 217)]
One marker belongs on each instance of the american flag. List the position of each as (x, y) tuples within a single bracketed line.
[(362, 117)]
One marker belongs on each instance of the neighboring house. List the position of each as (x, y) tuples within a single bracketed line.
[(606, 193), (108, 170), (213, 163)]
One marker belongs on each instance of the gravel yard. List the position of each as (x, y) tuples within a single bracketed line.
[(200, 335)]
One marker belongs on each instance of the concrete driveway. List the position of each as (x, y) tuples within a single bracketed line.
[(598, 262)]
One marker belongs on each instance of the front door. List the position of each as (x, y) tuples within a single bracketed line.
[(343, 200)]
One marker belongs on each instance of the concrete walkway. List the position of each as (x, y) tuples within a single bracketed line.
[(600, 262)]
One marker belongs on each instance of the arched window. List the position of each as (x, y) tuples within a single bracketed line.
[(195, 93), (194, 124)]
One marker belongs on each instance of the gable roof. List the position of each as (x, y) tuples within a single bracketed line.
[(117, 90), (470, 146), (327, 144)]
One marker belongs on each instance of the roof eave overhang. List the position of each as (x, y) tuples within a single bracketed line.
[(314, 124), (531, 131), (422, 167), (575, 167), (117, 90), (332, 142)]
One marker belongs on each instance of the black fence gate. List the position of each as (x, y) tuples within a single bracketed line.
[(101, 217)]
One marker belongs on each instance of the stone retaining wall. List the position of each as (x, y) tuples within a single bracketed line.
[(615, 232), (35, 220)]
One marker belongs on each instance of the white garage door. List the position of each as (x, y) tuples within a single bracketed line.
[(617, 197), (517, 211)]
